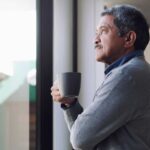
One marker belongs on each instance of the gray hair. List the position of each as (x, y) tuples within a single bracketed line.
[(129, 18)]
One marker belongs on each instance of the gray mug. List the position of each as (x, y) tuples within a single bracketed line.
[(69, 84)]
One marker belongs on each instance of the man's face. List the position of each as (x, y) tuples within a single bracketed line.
[(109, 46)]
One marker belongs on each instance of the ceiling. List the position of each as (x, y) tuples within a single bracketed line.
[(143, 5)]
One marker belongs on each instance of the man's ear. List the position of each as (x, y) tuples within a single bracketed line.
[(130, 38)]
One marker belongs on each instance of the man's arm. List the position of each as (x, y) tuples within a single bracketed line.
[(72, 113), (112, 108)]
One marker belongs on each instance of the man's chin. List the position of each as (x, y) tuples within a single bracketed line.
[(98, 59)]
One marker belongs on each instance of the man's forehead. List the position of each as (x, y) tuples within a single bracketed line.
[(106, 21), (104, 25)]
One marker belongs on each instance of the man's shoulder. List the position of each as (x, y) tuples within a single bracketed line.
[(137, 69), (135, 65)]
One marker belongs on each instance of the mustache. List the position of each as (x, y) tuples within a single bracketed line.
[(98, 46)]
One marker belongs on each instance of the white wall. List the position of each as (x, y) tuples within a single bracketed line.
[(147, 52), (92, 72), (62, 63)]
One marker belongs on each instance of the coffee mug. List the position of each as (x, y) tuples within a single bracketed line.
[(69, 84)]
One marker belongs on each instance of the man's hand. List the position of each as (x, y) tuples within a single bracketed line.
[(55, 92)]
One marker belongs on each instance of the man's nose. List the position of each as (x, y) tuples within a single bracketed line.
[(97, 39)]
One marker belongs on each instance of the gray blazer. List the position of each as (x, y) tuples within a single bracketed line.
[(119, 116)]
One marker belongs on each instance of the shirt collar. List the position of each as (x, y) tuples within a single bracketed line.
[(123, 60)]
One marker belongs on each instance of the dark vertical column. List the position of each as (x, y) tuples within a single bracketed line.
[(75, 35), (44, 74)]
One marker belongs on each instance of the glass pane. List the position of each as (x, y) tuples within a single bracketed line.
[(17, 74)]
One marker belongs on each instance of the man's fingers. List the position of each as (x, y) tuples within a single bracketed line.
[(55, 93), (57, 98), (54, 88)]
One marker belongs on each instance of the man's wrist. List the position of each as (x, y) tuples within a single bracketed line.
[(69, 104)]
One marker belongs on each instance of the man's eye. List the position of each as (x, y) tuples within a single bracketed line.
[(103, 31)]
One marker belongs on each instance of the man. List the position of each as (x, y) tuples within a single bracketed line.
[(119, 116)]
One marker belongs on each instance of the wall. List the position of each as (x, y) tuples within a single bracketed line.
[(92, 71), (62, 63), (147, 52)]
